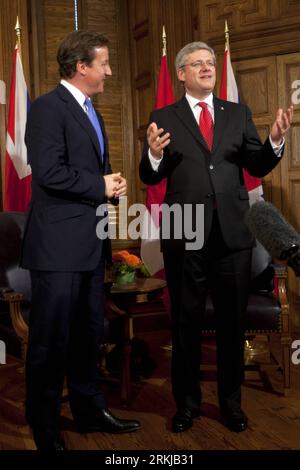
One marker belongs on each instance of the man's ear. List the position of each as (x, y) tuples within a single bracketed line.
[(81, 68), (181, 75)]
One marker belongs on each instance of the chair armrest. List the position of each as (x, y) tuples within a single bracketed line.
[(14, 299), (282, 274), (4, 290)]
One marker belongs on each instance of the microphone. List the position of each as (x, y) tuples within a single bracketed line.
[(277, 236)]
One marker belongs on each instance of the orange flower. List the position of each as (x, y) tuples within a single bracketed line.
[(125, 262), (133, 261), (121, 256)]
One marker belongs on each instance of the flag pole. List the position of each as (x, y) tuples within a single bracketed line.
[(226, 35), (76, 14), (164, 41), (18, 33)]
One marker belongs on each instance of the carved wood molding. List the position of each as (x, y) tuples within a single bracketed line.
[(252, 23)]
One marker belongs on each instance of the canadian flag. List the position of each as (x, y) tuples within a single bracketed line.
[(229, 92), (150, 246), (17, 191)]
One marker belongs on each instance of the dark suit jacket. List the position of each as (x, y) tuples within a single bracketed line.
[(194, 175), (67, 185)]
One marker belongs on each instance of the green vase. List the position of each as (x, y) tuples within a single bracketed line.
[(128, 278)]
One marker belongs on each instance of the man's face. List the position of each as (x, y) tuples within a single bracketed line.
[(198, 74), (97, 71)]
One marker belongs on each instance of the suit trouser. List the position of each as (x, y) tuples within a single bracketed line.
[(65, 331), (190, 274)]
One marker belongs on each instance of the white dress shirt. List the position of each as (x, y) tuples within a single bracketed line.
[(78, 95)]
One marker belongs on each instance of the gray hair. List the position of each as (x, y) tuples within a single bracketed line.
[(188, 49)]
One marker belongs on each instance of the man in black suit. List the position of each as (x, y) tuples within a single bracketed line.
[(201, 144), (71, 176)]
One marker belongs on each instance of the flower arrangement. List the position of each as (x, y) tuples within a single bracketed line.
[(126, 266)]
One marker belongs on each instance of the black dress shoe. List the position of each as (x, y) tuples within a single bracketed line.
[(105, 421), (235, 420), (183, 419)]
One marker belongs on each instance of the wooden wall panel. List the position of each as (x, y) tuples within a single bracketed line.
[(51, 21), (257, 85), (288, 66), (241, 13), (258, 28), (256, 80), (294, 160), (295, 198), (248, 16), (289, 9), (293, 201)]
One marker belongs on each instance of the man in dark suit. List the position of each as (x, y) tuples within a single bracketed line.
[(201, 144), (71, 176)]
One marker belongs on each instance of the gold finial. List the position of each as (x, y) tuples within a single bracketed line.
[(226, 35), (18, 33), (164, 41)]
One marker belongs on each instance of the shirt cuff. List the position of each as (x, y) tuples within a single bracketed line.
[(154, 161), (277, 148)]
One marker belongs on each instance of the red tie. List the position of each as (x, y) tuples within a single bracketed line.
[(206, 125)]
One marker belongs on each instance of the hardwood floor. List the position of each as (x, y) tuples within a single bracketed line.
[(274, 420)]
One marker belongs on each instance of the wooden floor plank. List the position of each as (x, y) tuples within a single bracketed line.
[(274, 420)]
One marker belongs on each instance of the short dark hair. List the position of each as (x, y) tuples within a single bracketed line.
[(78, 46)]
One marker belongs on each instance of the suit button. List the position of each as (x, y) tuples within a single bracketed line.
[(211, 167)]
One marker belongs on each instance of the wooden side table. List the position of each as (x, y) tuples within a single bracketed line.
[(132, 300)]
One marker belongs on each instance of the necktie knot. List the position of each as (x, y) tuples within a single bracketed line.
[(88, 104), (203, 105)]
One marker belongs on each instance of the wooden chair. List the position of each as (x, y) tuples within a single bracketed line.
[(15, 291), (268, 314)]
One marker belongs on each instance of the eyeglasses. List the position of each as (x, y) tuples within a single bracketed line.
[(200, 63)]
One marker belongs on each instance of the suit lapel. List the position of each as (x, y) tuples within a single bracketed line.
[(185, 114), (78, 113), (220, 115)]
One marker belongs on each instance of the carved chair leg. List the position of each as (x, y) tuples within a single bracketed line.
[(286, 365)]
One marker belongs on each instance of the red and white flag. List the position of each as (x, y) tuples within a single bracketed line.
[(150, 246), (17, 191), (229, 92)]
